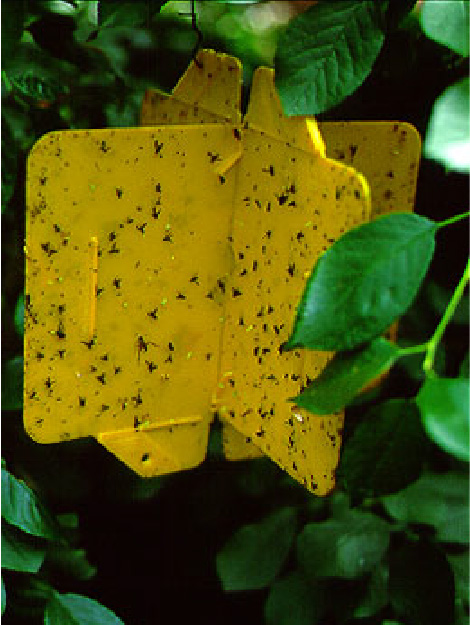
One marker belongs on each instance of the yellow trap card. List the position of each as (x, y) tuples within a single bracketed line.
[(164, 264)]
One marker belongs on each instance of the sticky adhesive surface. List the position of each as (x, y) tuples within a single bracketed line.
[(164, 264)]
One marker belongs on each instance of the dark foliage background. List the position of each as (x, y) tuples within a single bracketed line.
[(152, 544)]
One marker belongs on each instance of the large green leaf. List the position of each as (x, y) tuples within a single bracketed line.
[(73, 609), (325, 53), (363, 282), (447, 23), (439, 500), (447, 137), (421, 585), (385, 452), (346, 375), (21, 508), (346, 547), (294, 600), (20, 552), (444, 406), (253, 556)]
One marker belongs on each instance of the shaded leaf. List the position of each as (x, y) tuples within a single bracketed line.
[(386, 451), (363, 282), (447, 137), (71, 562), (421, 585), (464, 369), (9, 162), (440, 500), (325, 53), (444, 407), (19, 315), (253, 556), (73, 609), (34, 88), (12, 384), (21, 508), (293, 600), (345, 376), (112, 13), (376, 595), (447, 23), (4, 597), (19, 552), (460, 567), (348, 547), (13, 17)]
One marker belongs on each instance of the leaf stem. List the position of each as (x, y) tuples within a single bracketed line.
[(414, 349), (447, 316), (451, 220)]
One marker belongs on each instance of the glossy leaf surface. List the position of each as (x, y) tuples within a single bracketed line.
[(347, 547), (325, 54), (346, 375), (253, 556), (21, 508), (386, 451), (448, 134), (71, 609), (444, 406), (363, 283), (438, 500)]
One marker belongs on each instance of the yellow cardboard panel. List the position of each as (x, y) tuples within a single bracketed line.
[(164, 265), (123, 311), (292, 205)]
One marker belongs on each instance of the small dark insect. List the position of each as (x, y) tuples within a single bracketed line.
[(142, 345)]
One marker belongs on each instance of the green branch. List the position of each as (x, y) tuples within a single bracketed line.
[(448, 314), (430, 347), (452, 220)]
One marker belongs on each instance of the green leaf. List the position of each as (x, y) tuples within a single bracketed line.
[(440, 500), (70, 562), (447, 23), (347, 547), (345, 376), (4, 597), (386, 451), (12, 384), (376, 594), (325, 53), (421, 585), (21, 508), (253, 556), (293, 600), (363, 282), (35, 88), (447, 137), (9, 162), (460, 566), (464, 369), (444, 406), (19, 552), (128, 14), (13, 17), (19, 315), (73, 609)]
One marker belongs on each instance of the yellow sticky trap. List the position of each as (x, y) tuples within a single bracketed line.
[(163, 267)]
